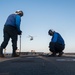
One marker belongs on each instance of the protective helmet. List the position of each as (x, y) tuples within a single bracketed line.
[(51, 31), (19, 12)]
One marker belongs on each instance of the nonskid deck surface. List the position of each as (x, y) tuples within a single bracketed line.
[(37, 65)]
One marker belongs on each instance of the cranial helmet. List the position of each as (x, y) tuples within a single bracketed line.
[(19, 12)]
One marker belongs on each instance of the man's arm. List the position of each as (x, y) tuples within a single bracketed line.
[(54, 39), (18, 20)]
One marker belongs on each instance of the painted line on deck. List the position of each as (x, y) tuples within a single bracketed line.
[(5, 59), (66, 59)]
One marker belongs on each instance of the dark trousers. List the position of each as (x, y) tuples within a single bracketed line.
[(56, 47), (10, 32)]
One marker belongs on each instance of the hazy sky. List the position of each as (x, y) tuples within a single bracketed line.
[(39, 17)]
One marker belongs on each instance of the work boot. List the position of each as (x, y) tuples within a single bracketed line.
[(53, 55), (60, 54), (1, 53), (15, 55)]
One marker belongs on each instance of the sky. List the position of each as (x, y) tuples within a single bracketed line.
[(39, 17)]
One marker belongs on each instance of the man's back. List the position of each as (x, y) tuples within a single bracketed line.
[(57, 38)]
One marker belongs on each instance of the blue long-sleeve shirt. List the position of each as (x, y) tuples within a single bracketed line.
[(57, 38), (14, 20)]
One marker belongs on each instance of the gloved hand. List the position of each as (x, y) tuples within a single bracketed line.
[(19, 32)]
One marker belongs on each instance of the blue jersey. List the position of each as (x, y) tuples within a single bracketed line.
[(57, 38), (14, 20)]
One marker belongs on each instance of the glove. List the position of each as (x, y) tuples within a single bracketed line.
[(19, 32)]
